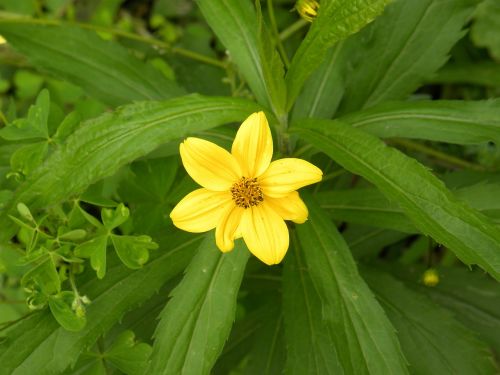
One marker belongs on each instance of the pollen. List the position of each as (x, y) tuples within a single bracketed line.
[(247, 192)]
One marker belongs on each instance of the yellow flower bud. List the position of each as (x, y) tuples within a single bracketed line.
[(430, 277), (307, 9)]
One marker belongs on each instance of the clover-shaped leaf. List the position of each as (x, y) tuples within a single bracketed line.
[(128, 355), (133, 250), (68, 314), (95, 249), (114, 218)]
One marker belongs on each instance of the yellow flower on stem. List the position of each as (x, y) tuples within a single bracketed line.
[(243, 193), (308, 9)]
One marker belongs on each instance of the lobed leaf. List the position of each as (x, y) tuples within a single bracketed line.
[(434, 210), (38, 342), (197, 320)]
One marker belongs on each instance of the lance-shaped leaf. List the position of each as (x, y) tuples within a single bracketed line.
[(434, 210), (404, 47), (102, 68), (460, 122), (337, 19), (100, 146), (197, 320), (38, 342), (432, 340), (236, 24), (310, 344), (364, 338)]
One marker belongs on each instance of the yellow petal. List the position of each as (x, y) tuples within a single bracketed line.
[(253, 145), (225, 233), (265, 233), (286, 175), (289, 207), (200, 210), (209, 165)]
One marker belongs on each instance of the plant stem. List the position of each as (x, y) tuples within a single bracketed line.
[(274, 26), (437, 154), (9, 18), (292, 29)]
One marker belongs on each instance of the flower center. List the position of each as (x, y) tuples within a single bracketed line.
[(247, 192)]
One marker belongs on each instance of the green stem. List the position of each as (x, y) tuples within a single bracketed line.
[(274, 26), (9, 18), (452, 160), (292, 29)]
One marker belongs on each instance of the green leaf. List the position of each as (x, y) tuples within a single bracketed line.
[(432, 340), (128, 355), (100, 146), (133, 250), (485, 31), (337, 19), (267, 354), (34, 125), (364, 339), (483, 73), (420, 34), (95, 249), (460, 122), (26, 158), (45, 275), (310, 343), (102, 68), (473, 297), (38, 342), (113, 218), (235, 24), (434, 210), (61, 307), (197, 320)]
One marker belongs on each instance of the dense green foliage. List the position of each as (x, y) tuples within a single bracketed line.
[(396, 269)]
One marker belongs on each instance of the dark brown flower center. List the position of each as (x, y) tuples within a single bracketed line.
[(247, 192)]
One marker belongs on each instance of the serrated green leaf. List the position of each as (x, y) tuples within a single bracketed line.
[(420, 34), (364, 339), (133, 250), (102, 68), (310, 344), (432, 340), (61, 307), (473, 297), (337, 19), (95, 249), (235, 24), (460, 122), (197, 320), (434, 210), (100, 146), (38, 342), (128, 355)]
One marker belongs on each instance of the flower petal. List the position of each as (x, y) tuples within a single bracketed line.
[(209, 165), (265, 233), (289, 207), (200, 210), (253, 145), (225, 233), (286, 175)]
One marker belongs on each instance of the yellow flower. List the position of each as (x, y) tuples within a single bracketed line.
[(243, 193), (430, 277), (307, 9)]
